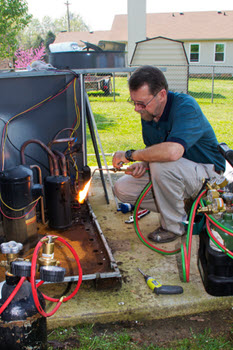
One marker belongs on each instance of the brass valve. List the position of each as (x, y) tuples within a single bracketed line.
[(215, 207), (217, 183), (47, 257)]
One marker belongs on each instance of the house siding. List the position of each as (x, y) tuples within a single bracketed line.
[(207, 50)]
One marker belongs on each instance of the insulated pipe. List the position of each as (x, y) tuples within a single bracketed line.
[(53, 170), (41, 200), (65, 129), (66, 140)]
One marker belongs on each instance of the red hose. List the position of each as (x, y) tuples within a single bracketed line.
[(226, 250), (34, 286), (13, 294), (218, 226), (138, 231)]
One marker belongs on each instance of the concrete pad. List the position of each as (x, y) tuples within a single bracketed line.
[(134, 300)]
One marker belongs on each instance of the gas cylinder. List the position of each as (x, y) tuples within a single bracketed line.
[(58, 201), (21, 325), (227, 222), (16, 193)]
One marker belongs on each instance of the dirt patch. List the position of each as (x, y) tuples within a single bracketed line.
[(162, 332)]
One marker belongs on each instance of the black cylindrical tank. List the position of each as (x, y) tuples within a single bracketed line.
[(58, 201), (16, 192), (216, 268), (21, 325)]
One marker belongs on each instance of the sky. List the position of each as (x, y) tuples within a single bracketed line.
[(99, 14)]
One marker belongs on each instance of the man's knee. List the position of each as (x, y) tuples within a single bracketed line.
[(118, 189), (158, 169), (127, 188), (121, 189)]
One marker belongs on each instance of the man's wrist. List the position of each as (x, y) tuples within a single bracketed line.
[(129, 155)]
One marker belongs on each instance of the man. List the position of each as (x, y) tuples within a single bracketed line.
[(181, 150)]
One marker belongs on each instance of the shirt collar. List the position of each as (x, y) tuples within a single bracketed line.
[(165, 115)]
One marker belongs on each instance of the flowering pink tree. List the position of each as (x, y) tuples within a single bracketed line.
[(25, 57)]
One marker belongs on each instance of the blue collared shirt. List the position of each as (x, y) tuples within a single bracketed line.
[(183, 121)]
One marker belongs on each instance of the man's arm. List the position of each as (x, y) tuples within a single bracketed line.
[(162, 152)]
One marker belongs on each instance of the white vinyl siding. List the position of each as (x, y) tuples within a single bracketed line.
[(167, 54)]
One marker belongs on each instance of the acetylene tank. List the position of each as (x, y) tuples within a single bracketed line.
[(227, 222), (58, 201), (17, 193), (21, 325)]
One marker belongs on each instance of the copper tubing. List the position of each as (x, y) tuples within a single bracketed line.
[(54, 170), (41, 200), (63, 161), (60, 154)]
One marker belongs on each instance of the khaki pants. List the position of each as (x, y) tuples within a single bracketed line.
[(173, 182)]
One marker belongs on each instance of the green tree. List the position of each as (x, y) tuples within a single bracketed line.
[(47, 25), (13, 18), (29, 36), (49, 39), (39, 42), (76, 24)]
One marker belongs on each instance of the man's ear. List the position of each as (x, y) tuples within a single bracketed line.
[(162, 94)]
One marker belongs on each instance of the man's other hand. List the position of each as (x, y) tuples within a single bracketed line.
[(136, 169)]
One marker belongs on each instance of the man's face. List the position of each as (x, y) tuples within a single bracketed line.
[(147, 105)]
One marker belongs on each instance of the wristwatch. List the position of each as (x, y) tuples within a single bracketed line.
[(128, 155)]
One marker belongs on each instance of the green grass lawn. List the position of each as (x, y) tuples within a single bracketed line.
[(119, 126), (84, 337)]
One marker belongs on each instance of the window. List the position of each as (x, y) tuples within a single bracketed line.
[(219, 54), (194, 52)]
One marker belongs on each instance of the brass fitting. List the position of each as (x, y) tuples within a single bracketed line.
[(47, 257)]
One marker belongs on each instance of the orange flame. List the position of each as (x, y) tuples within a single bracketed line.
[(82, 194)]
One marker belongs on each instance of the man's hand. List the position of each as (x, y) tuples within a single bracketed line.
[(119, 159), (137, 169)]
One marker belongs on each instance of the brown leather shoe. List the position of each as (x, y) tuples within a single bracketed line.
[(162, 236)]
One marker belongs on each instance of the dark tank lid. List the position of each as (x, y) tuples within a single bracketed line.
[(19, 173)]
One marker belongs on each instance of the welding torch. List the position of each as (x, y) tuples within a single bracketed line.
[(120, 169), (159, 288), (115, 169), (123, 169)]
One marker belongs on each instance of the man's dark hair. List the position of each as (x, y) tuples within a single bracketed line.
[(152, 76)]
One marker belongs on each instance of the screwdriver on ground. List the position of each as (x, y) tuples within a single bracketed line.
[(159, 288)]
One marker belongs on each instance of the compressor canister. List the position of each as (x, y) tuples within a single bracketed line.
[(16, 193), (58, 201)]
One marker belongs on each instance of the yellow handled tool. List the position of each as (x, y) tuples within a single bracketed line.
[(159, 288)]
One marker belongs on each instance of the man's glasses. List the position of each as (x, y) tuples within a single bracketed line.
[(140, 104)]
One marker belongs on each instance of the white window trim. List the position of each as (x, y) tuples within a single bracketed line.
[(224, 52), (190, 53)]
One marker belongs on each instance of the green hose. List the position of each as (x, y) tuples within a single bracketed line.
[(185, 248)]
